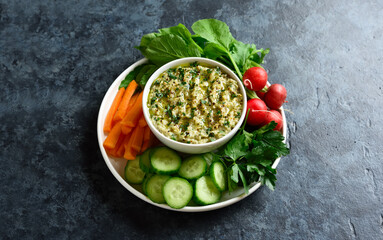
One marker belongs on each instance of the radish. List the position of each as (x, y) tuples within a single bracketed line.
[(255, 78), (275, 116), (257, 113), (261, 93), (275, 96)]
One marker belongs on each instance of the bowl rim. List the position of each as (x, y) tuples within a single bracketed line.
[(105, 105), (187, 60)]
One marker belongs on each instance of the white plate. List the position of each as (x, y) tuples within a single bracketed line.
[(117, 165)]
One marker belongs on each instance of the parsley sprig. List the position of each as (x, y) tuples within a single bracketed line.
[(250, 155)]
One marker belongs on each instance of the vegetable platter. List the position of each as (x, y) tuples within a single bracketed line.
[(204, 182)]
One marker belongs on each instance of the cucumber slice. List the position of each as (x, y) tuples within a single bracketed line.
[(177, 192), (209, 157), (165, 160), (205, 191), (154, 187), (147, 177), (145, 162), (133, 172), (193, 167), (218, 175)]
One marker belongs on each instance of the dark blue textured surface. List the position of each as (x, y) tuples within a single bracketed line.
[(58, 58)]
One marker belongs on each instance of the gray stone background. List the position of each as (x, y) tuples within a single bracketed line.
[(58, 58)]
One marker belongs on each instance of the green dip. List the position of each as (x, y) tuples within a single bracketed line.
[(195, 103)]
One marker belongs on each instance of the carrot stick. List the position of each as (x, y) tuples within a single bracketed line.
[(132, 101), (121, 149), (113, 110), (135, 112), (126, 129), (113, 152), (148, 139), (147, 133), (138, 137), (142, 121), (121, 112), (111, 140), (129, 153)]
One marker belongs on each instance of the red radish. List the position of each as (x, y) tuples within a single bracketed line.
[(275, 96), (255, 78), (275, 116), (257, 113), (261, 93)]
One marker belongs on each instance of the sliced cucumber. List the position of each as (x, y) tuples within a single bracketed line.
[(205, 191), (133, 172), (147, 177), (209, 157), (165, 161), (193, 167), (218, 175), (154, 187), (177, 192), (145, 162)]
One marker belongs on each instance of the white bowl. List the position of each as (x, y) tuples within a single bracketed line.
[(117, 165), (184, 147)]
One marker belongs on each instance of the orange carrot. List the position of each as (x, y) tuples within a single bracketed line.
[(121, 149), (148, 139), (142, 121), (126, 129), (113, 152), (147, 133), (132, 101), (129, 153), (135, 112), (138, 137), (111, 140), (113, 110), (121, 112)]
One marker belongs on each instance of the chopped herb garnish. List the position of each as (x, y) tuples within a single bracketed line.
[(194, 64)]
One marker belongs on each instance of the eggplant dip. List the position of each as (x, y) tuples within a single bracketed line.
[(195, 103)]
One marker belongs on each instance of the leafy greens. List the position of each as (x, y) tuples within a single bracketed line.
[(249, 156), (212, 39)]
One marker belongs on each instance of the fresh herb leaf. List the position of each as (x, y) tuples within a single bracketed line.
[(267, 138), (236, 148), (269, 178), (145, 77), (214, 31), (131, 76), (255, 168), (234, 173), (181, 31), (243, 179), (142, 72), (169, 47)]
